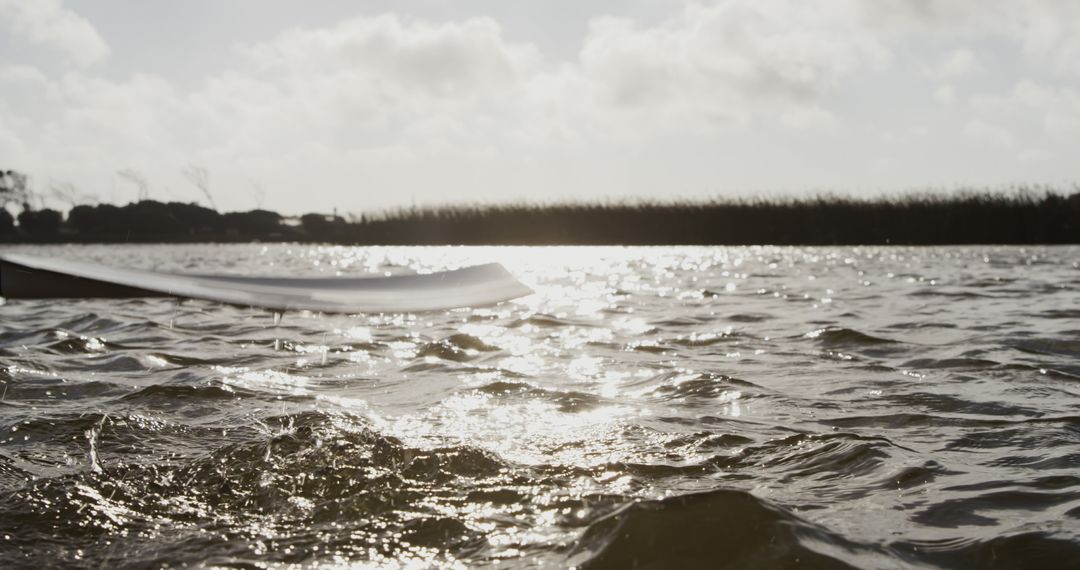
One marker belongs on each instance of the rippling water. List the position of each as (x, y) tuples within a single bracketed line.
[(710, 407)]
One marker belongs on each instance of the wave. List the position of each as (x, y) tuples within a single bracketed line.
[(318, 482), (707, 385), (817, 456), (457, 348), (1021, 550), (565, 401), (749, 317), (1052, 347), (735, 529), (907, 429), (716, 529), (839, 337), (40, 390)]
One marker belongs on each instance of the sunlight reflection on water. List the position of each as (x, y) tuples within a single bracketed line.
[(869, 391)]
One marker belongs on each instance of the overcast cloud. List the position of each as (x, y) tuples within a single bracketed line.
[(351, 105)]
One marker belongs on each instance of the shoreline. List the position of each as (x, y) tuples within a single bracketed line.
[(985, 218)]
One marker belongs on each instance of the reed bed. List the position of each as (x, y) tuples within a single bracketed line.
[(1019, 216), (923, 218)]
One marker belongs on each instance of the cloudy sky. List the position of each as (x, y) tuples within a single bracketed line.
[(363, 105)]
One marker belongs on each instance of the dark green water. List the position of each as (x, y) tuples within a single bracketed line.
[(652, 407)]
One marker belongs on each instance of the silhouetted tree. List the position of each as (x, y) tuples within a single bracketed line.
[(7, 221), (151, 218), (40, 222), (195, 219), (256, 223), (1035, 216), (314, 223), (323, 227), (103, 219)]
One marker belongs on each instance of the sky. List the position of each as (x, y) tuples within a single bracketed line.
[(362, 106)]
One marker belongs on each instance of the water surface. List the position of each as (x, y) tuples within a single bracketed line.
[(712, 406)]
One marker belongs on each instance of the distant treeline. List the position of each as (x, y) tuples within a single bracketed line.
[(1019, 217)]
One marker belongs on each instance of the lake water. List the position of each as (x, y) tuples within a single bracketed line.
[(810, 407)]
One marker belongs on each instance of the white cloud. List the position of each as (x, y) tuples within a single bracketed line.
[(1059, 107), (1036, 155), (369, 83), (945, 94), (732, 60), (10, 144), (735, 93), (374, 83), (48, 23), (984, 132), (444, 60), (956, 64), (1055, 111), (328, 103), (1048, 31)]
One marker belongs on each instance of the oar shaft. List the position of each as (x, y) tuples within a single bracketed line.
[(21, 282)]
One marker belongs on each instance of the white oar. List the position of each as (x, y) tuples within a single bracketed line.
[(28, 277)]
